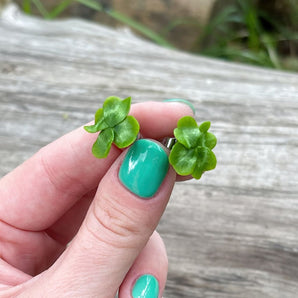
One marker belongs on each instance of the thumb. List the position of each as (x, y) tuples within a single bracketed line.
[(126, 210)]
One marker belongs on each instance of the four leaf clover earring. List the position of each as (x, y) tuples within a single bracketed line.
[(190, 150)]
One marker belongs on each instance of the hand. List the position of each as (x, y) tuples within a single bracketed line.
[(64, 194)]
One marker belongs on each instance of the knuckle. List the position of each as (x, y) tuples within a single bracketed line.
[(117, 226)]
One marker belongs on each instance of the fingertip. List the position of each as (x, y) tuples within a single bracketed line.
[(159, 119), (182, 101), (149, 271)]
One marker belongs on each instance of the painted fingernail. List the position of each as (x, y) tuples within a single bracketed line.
[(182, 101), (144, 168), (146, 286)]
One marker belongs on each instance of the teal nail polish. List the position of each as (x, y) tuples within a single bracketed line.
[(146, 286), (144, 168), (182, 101)]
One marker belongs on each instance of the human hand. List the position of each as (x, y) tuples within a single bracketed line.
[(64, 194)]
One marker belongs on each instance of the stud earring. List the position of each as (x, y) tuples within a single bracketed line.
[(191, 149), (115, 126)]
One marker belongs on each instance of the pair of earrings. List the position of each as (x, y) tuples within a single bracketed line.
[(191, 149)]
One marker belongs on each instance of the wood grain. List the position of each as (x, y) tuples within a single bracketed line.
[(233, 233)]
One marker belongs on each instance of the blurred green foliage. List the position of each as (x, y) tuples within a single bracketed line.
[(243, 31), (93, 4)]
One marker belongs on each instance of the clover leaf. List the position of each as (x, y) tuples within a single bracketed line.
[(114, 125), (192, 154)]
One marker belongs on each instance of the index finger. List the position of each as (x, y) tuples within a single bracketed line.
[(42, 189)]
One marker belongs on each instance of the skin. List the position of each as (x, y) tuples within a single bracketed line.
[(63, 193)]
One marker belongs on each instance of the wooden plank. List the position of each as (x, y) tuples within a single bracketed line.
[(233, 233)]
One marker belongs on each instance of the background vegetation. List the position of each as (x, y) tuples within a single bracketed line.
[(259, 32)]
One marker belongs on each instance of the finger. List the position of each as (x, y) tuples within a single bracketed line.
[(149, 271), (41, 190), (11, 276), (64, 229), (127, 207), (68, 225), (158, 120)]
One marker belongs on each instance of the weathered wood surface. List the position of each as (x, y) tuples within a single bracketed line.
[(232, 234)]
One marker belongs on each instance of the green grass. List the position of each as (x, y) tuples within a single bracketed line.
[(247, 34)]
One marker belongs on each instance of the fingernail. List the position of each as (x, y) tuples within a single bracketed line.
[(182, 101), (144, 168), (146, 286)]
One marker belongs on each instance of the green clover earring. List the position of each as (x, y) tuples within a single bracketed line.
[(115, 126), (190, 150)]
